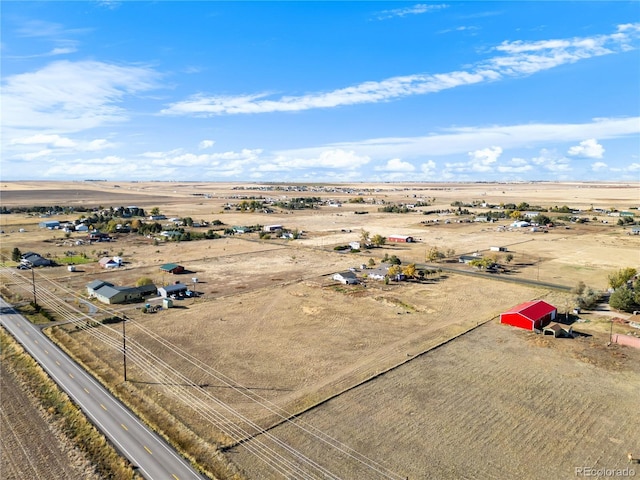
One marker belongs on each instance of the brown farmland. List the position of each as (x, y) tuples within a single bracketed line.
[(273, 335)]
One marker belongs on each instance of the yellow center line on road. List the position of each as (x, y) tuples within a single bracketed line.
[(71, 375), (57, 363), (26, 333), (149, 451), (36, 342), (86, 390), (124, 426), (47, 352), (175, 476), (103, 407)]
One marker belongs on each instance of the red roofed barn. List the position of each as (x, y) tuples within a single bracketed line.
[(530, 315)]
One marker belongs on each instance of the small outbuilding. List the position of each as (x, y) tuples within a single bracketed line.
[(534, 315), (172, 268), (175, 289)]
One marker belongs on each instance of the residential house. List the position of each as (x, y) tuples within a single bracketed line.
[(108, 262), (31, 259), (379, 273), (346, 278), (110, 294)]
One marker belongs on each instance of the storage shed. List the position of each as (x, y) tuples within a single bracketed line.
[(175, 289), (530, 315), (173, 268)]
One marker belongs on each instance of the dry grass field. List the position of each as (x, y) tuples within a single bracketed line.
[(495, 402)]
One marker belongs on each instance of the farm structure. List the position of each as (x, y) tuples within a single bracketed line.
[(175, 289), (534, 315), (173, 268), (400, 238), (50, 224)]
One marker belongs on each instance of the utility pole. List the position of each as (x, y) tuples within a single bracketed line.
[(33, 282), (124, 346)]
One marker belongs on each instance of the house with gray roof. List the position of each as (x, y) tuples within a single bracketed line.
[(110, 294)]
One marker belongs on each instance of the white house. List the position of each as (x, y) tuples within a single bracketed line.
[(347, 278)]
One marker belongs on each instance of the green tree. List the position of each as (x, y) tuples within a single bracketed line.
[(142, 281), (623, 299), (155, 211), (16, 254), (621, 277), (364, 237), (508, 258), (371, 262)]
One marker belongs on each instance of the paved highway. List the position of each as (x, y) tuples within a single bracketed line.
[(153, 457)]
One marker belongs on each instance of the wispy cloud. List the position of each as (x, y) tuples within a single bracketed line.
[(516, 59), (69, 96), (461, 140), (417, 9)]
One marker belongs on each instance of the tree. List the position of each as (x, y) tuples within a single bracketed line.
[(142, 281), (541, 219), (378, 240), (16, 254), (621, 277), (579, 288), (371, 262), (622, 299), (409, 270), (155, 211), (508, 258), (364, 237), (434, 254), (394, 270)]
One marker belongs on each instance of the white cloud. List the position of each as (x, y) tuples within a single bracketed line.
[(516, 165), (597, 166), (204, 144), (482, 160), (326, 158), (396, 165), (587, 149), (515, 59), (552, 161), (414, 10), (69, 96), (461, 140), (428, 167), (42, 139)]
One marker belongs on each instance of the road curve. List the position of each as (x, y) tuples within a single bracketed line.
[(153, 457)]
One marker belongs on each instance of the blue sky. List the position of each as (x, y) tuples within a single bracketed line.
[(320, 91)]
